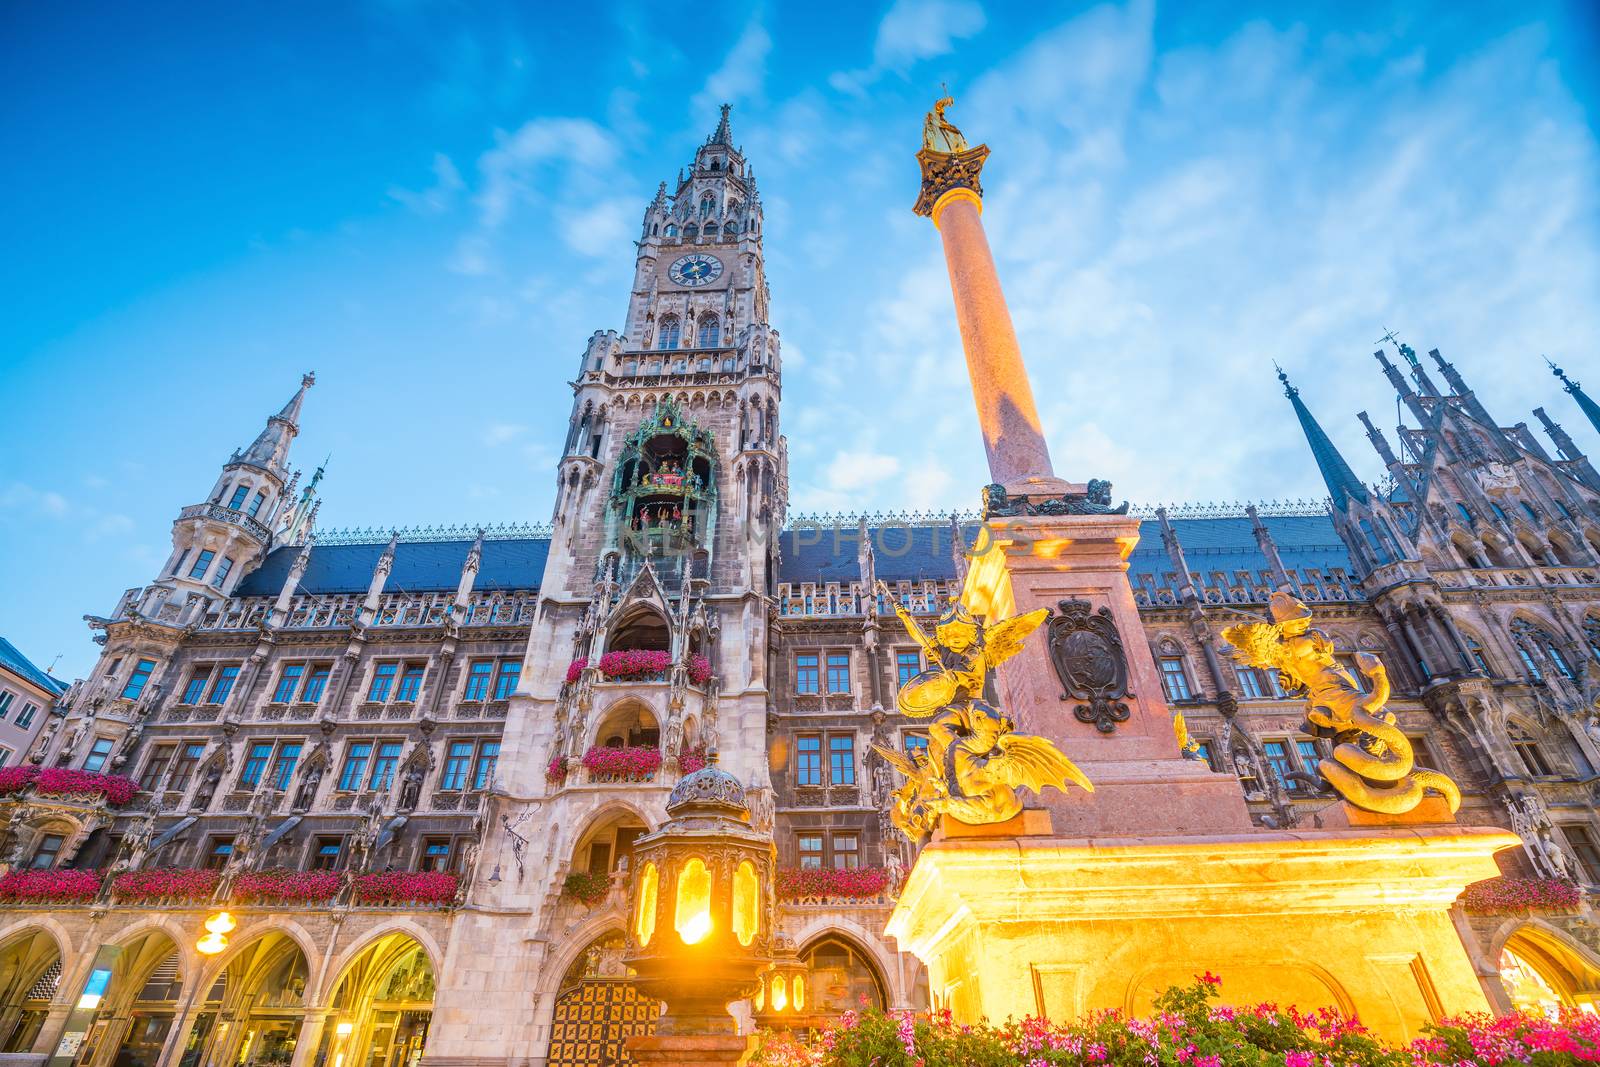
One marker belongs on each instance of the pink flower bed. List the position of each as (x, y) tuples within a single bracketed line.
[(285, 887), (856, 883), (172, 884), (575, 668), (1185, 1029), (406, 887), (699, 670), (626, 764), (1513, 896), (49, 887), (691, 760), (61, 781), (586, 887)]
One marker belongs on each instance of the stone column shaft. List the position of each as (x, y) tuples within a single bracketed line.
[(1012, 436)]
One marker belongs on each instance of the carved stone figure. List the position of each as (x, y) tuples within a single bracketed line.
[(1372, 765), (975, 762), (411, 786)]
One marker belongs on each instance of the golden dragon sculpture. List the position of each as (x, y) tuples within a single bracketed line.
[(975, 762), (1372, 765)]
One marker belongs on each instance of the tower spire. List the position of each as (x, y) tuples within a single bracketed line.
[(1343, 485), (1585, 404), (723, 133), (270, 449)]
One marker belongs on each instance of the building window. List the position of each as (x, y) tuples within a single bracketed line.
[(255, 504), (478, 676), (808, 760), (1257, 684), (44, 856), (224, 683), (1554, 654), (183, 770), (1529, 664), (410, 684), (908, 664), (435, 854), (288, 682), (6, 700), (254, 764), (221, 849), (505, 683), (236, 501), (1310, 757), (382, 682), (805, 673), (326, 852), (384, 765), (196, 689), (222, 571), (488, 758), (710, 332), (155, 766), (456, 764), (1173, 678), (283, 766), (202, 563), (25, 720), (98, 752), (136, 681), (1206, 751), (1277, 754), (846, 850), (1584, 850), (810, 847), (915, 744), (842, 759), (671, 333), (1475, 650), (355, 765), (316, 682), (1529, 752), (838, 672)]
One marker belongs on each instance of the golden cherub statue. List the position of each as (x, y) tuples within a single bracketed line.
[(1372, 765), (939, 134), (974, 763)]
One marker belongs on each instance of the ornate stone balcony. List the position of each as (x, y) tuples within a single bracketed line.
[(218, 513)]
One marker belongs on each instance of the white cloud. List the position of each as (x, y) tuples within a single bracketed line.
[(439, 196), (741, 75), (503, 433), (911, 31), (508, 169), (24, 498), (860, 470)]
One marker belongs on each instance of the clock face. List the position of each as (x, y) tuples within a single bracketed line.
[(695, 269)]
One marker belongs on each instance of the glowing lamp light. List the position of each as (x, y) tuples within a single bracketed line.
[(221, 923), (692, 916), (345, 1029), (780, 992), (783, 986), (211, 944)]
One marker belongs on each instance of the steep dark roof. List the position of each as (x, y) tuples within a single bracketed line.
[(1229, 544), (419, 566), (19, 664), (911, 552)]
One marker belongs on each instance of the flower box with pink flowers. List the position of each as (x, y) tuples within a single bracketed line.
[(1521, 896), (171, 885), (641, 665), (405, 888), (49, 887), (66, 782), (628, 764), (831, 883), (285, 887)]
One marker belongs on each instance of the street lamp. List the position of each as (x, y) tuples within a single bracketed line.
[(780, 998), (216, 937), (701, 915)]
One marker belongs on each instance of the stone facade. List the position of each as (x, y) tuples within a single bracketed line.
[(512, 706)]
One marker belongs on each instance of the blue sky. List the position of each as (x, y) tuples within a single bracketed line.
[(432, 206)]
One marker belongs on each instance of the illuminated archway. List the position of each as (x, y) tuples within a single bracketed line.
[(839, 973), (254, 1009), (383, 1006), (1541, 972), (30, 971), (136, 1013)]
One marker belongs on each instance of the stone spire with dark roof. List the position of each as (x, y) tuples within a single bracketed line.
[(1343, 485), (1585, 404), (270, 449)]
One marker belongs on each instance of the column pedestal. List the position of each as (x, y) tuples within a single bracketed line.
[(691, 1050)]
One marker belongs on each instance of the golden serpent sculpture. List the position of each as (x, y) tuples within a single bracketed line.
[(1372, 766)]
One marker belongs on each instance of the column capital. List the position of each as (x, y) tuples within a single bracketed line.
[(944, 172)]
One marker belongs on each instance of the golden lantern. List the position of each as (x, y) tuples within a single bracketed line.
[(782, 995), (701, 895), (216, 936)]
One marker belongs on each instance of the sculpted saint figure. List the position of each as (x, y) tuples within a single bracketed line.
[(974, 762), (1372, 765)]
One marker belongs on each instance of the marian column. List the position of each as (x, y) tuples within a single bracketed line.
[(1092, 687)]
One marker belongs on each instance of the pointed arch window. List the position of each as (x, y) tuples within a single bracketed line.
[(1528, 750), (672, 231), (691, 231), (671, 333), (730, 231), (707, 206), (710, 332)]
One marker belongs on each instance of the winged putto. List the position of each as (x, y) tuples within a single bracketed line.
[(975, 762)]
